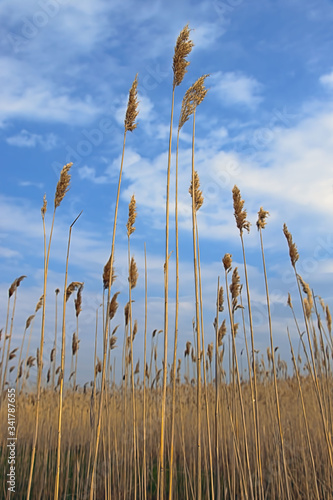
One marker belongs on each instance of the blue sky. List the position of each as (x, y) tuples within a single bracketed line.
[(266, 125)]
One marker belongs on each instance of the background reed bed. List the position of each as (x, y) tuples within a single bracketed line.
[(202, 426)]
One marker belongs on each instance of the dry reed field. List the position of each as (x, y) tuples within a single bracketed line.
[(195, 425)]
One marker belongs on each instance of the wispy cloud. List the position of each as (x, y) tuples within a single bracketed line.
[(236, 88), (327, 80), (26, 139)]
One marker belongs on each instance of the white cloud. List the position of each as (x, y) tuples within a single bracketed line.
[(89, 173), (33, 97), (27, 139), (327, 80), (206, 34), (236, 88)]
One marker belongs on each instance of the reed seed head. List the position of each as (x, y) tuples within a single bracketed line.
[(106, 274), (308, 301), (221, 333), (72, 287), (44, 207), (220, 299), (192, 98), (137, 368), (12, 354), (132, 107), (239, 211), (39, 303), (78, 301), (126, 313), (16, 283), (293, 253), (63, 185), (133, 274), (235, 288), (113, 306), (135, 328), (113, 341), (52, 355), (188, 348), (198, 197), (182, 50), (131, 216), (28, 322), (261, 222), (289, 303), (227, 262), (328, 319), (75, 344), (210, 352)]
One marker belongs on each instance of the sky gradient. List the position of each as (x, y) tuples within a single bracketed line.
[(265, 125)]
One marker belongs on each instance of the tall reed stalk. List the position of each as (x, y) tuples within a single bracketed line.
[(294, 256), (261, 222), (242, 223), (132, 280), (61, 190), (182, 50), (12, 289), (194, 96), (67, 292), (129, 125)]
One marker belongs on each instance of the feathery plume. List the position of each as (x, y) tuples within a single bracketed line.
[(198, 198), (72, 287), (261, 222), (113, 306), (113, 341), (135, 328), (12, 354), (133, 274), (131, 216), (182, 50), (227, 261), (188, 348), (308, 302), (75, 344), (239, 211), (132, 107), (235, 288), (210, 352), (293, 253), (221, 333), (43, 209), (78, 300), (192, 98), (39, 303), (220, 300), (106, 274), (28, 322), (328, 319), (63, 185), (16, 283), (126, 313)]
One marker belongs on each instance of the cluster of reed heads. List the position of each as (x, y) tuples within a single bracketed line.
[(203, 431)]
